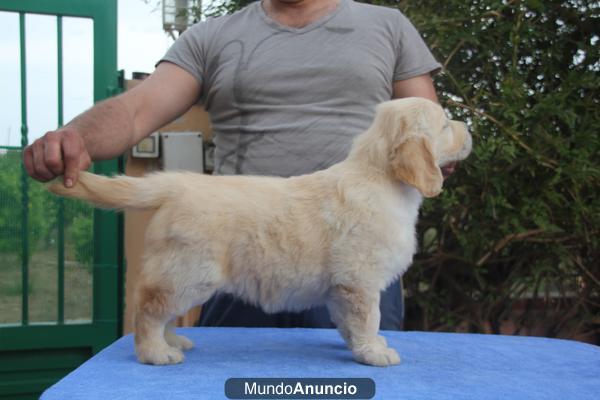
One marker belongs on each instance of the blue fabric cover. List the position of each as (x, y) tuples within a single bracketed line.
[(434, 366)]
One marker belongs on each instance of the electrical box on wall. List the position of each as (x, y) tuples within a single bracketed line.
[(147, 147), (182, 151)]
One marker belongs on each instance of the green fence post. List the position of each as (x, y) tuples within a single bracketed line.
[(61, 202), (24, 183), (107, 254)]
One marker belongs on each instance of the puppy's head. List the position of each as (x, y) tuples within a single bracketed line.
[(419, 139)]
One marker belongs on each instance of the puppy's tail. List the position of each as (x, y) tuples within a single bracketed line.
[(120, 192)]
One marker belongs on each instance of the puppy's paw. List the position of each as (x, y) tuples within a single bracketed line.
[(178, 341), (161, 355), (381, 341), (378, 356)]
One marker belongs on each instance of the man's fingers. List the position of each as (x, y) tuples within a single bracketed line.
[(449, 169), (84, 161), (72, 152), (39, 165), (57, 153), (53, 154)]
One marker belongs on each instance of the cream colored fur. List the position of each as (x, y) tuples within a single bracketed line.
[(336, 237)]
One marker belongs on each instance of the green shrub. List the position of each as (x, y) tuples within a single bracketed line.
[(82, 237), (10, 203), (520, 220), (41, 211), (42, 215)]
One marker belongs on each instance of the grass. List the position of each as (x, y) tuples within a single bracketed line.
[(43, 288)]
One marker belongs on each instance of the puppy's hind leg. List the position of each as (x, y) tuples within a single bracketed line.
[(195, 287), (174, 340), (170, 285), (355, 312), (154, 309)]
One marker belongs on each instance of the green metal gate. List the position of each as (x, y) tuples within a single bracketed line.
[(34, 355)]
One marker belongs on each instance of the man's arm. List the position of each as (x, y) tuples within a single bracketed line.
[(419, 86), (111, 127)]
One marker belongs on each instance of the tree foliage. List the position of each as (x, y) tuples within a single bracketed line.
[(11, 222), (518, 224), (42, 215)]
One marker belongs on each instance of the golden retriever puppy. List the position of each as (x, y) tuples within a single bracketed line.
[(336, 237)]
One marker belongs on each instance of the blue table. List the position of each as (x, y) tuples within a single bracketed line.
[(434, 366)]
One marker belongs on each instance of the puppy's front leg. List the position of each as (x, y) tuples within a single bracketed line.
[(356, 315)]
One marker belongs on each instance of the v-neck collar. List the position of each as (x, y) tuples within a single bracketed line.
[(313, 25)]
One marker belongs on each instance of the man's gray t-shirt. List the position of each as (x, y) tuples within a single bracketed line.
[(286, 101)]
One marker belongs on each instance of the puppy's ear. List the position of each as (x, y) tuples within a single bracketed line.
[(413, 163)]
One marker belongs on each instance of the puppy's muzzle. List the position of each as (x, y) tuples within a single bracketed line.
[(467, 146)]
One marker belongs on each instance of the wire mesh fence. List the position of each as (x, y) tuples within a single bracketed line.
[(56, 256)]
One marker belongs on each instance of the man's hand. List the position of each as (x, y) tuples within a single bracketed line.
[(449, 169), (60, 152)]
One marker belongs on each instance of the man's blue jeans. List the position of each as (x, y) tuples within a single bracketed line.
[(224, 310)]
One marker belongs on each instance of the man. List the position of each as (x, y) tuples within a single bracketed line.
[(287, 83)]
